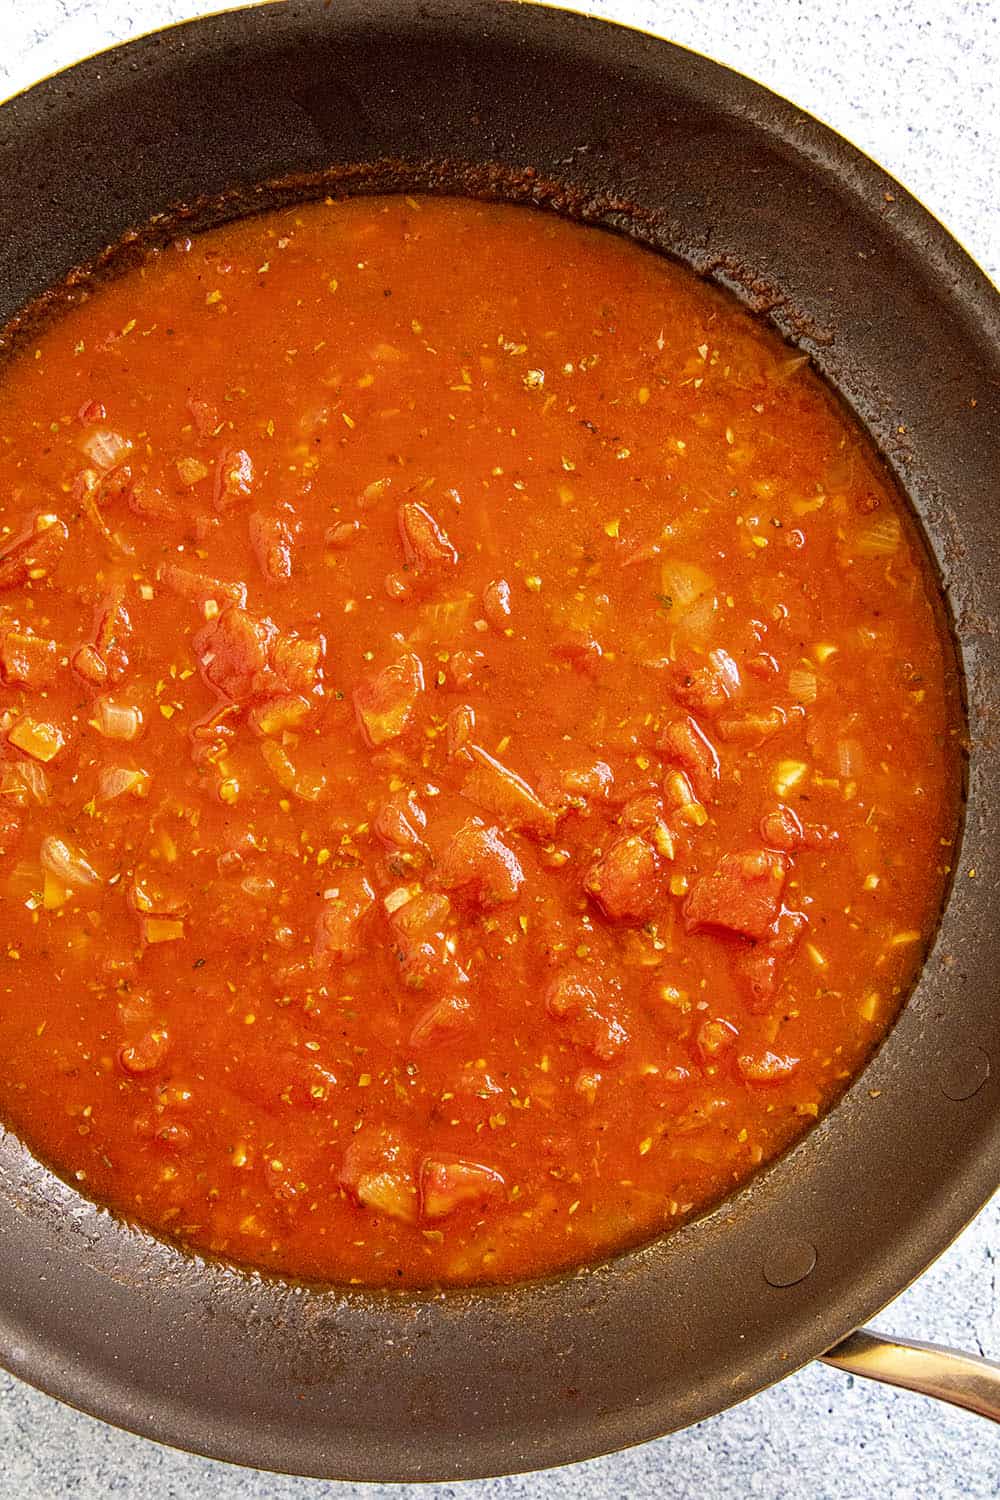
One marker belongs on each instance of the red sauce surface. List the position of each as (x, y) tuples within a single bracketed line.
[(479, 761)]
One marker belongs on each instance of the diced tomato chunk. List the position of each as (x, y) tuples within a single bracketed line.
[(753, 728), (272, 538), (378, 1169), (474, 1095), (147, 500), (478, 862), (87, 663), (705, 686), (587, 1082), (463, 666), (440, 1019), (685, 744), (233, 478), (273, 1076), (340, 925), (763, 1066), (27, 659), (205, 416), (425, 913), (591, 779), (591, 1010), (742, 893), (759, 968), (581, 649), (146, 1053), (577, 780), (276, 715), (425, 545), (232, 650), (625, 881), (781, 829), (173, 1136), (496, 603), (716, 1036), (199, 588), (113, 635), (461, 727), (493, 786), (399, 824), (451, 1182), (642, 813), (297, 661), (759, 965), (569, 992), (386, 702), (242, 657), (343, 535), (33, 557), (420, 937), (105, 659), (673, 1070)]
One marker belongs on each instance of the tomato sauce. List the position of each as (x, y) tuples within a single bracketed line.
[(480, 749)]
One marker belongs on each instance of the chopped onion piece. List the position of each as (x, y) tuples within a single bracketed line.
[(37, 738), (443, 620), (23, 781), (683, 584), (105, 448), (397, 898), (802, 685), (116, 721), (850, 759), (299, 783), (68, 864), (162, 929), (880, 539), (699, 620), (115, 781)]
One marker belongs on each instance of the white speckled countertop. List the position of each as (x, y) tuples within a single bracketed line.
[(916, 84)]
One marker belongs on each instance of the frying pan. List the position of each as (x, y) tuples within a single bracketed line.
[(614, 128)]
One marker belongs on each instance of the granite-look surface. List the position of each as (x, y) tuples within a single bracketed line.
[(917, 86)]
